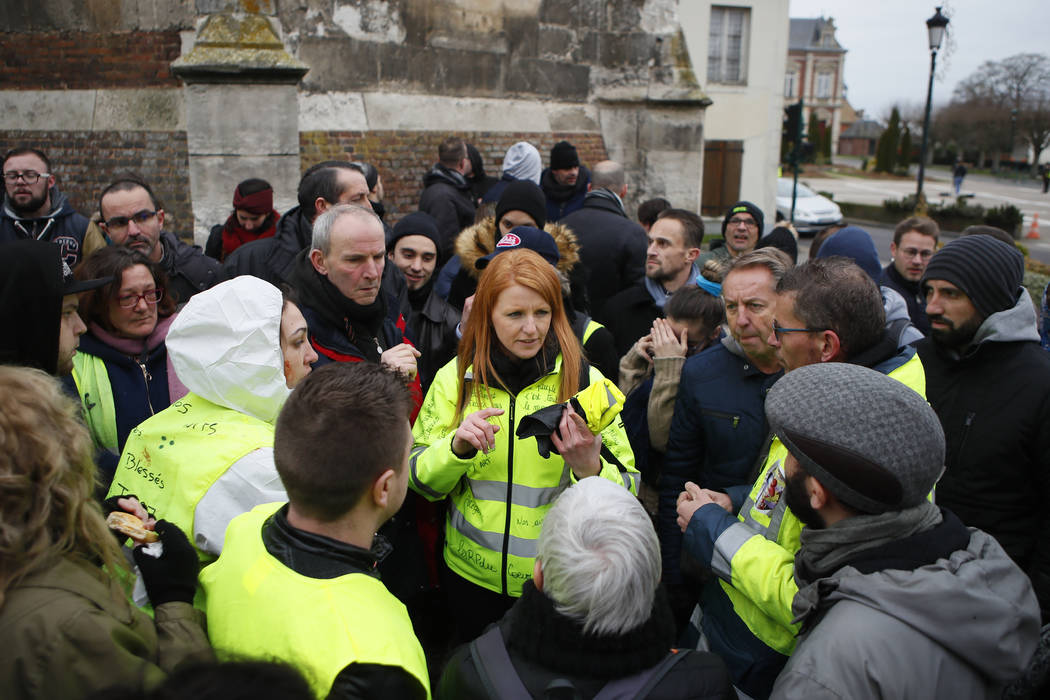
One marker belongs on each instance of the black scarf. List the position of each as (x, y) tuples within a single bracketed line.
[(544, 636), (514, 374), (362, 324), (417, 298), (555, 190)]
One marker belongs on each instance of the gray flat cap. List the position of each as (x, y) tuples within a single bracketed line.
[(873, 442)]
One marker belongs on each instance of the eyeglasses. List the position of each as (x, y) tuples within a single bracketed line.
[(30, 177), (916, 253), (150, 296), (119, 223), (736, 221), (778, 330)]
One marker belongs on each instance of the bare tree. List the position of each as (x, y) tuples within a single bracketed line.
[(1019, 84)]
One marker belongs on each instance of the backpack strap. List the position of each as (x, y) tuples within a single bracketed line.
[(639, 685), (495, 669)]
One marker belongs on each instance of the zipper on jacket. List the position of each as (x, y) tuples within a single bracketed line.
[(967, 422), (147, 378), (510, 488), (722, 414)]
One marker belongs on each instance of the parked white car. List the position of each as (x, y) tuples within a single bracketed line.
[(812, 211)]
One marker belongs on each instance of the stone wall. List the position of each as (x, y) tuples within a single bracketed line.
[(91, 81)]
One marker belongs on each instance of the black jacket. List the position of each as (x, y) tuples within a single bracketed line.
[(913, 296), (994, 404), (612, 247), (629, 315), (563, 200), (320, 557), (189, 270), (62, 225), (432, 329), (447, 197), (272, 259), (545, 646)]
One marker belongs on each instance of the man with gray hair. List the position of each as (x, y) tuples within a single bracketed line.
[(593, 618), (338, 280), (612, 247), (885, 576)]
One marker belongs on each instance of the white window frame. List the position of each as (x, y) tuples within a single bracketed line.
[(791, 83), (824, 87), (719, 38)]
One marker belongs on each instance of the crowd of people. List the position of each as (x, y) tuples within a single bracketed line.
[(519, 444)]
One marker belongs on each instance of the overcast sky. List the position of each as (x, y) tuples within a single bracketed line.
[(888, 57)]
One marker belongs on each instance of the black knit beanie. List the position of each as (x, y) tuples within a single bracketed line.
[(564, 156), (746, 208), (523, 195), (418, 223), (984, 268)]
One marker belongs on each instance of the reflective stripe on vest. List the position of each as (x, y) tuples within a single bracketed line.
[(173, 458), (765, 513), (96, 395), (258, 608)]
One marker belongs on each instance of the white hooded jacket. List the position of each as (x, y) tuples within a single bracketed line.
[(225, 347)]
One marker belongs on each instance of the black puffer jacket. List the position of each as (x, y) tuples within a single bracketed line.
[(994, 404), (545, 646), (447, 197)]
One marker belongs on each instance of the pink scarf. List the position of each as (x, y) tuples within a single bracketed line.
[(135, 347)]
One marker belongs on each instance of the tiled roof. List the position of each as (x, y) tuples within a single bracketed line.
[(805, 34)]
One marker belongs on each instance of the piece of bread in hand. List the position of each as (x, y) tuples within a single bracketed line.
[(131, 526)]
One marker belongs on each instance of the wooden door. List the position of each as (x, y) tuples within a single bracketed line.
[(722, 166)]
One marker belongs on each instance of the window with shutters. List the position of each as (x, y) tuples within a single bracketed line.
[(727, 45)]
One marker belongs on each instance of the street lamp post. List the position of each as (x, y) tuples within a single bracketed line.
[(936, 27), (1013, 129)]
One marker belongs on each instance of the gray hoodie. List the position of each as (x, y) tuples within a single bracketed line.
[(961, 627)]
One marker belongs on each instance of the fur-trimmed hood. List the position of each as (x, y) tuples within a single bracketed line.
[(479, 240)]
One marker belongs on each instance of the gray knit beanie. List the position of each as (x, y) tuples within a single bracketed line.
[(984, 268), (869, 439)]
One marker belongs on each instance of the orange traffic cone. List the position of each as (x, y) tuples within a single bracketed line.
[(1033, 230)]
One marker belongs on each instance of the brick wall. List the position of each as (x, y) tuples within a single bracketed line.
[(81, 60), (403, 157), (84, 162)]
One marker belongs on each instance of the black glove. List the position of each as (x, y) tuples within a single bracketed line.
[(172, 577)]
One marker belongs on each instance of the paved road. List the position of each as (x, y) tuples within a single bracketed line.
[(987, 191)]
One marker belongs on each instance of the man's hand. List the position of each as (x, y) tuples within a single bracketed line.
[(666, 343), (578, 446), (402, 358), (476, 433), (689, 501), (721, 499)]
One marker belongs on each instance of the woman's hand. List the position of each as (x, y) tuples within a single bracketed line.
[(578, 446), (665, 343), (476, 433)]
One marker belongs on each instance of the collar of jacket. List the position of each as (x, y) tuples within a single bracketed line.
[(606, 199), (544, 636), (317, 556)]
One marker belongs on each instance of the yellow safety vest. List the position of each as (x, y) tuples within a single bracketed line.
[(96, 396), (171, 459), (259, 608), (497, 501), (755, 558)]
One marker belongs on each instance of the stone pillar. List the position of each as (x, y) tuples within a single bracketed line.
[(657, 132), (242, 114)]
